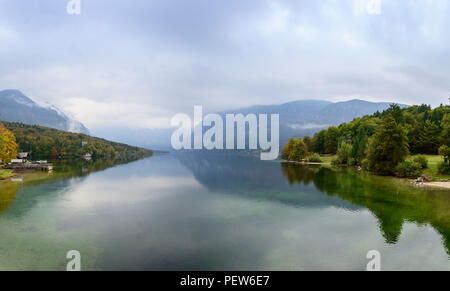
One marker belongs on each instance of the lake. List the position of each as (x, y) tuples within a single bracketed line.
[(219, 211)]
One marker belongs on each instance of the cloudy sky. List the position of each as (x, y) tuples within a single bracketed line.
[(136, 63)]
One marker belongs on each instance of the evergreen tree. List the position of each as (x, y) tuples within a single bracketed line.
[(424, 138), (397, 113), (319, 142), (331, 140), (387, 147), (445, 135)]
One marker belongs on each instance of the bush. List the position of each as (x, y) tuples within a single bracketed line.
[(443, 168), (315, 158), (408, 169), (365, 164), (422, 161), (336, 162)]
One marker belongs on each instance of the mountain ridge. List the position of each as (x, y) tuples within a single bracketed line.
[(15, 106)]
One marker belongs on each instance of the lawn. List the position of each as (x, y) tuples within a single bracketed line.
[(326, 159), (433, 161)]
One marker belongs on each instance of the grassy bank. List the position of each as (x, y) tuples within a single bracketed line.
[(5, 173), (432, 172), (326, 159)]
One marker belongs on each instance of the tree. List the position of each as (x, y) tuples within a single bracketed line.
[(309, 143), (397, 113), (445, 152), (424, 138), (387, 147), (364, 129), (299, 151), (344, 154), (445, 135), (287, 149), (444, 167), (331, 140), (319, 141), (8, 145)]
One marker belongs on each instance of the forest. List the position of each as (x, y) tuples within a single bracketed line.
[(387, 143), (43, 142)]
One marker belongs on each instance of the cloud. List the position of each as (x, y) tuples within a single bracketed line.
[(153, 59)]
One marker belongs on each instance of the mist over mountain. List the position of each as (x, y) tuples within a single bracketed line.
[(306, 117), (156, 139), (16, 107), (297, 119)]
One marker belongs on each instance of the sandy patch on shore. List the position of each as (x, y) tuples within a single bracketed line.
[(438, 184)]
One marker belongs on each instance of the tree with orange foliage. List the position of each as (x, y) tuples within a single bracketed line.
[(8, 145)]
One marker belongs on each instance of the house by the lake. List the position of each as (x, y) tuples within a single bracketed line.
[(23, 156), (87, 156)]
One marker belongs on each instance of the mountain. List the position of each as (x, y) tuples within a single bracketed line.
[(297, 119), (306, 117), (156, 139), (341, 112), (53, 143), (16, 107)]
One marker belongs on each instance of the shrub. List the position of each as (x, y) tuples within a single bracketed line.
[(336, 162), (422, 161), (365, 164), (408, 169), (443, 168), (315, 158), (445, 152), (343, 155)]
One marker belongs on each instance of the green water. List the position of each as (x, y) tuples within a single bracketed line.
[(219, 212)]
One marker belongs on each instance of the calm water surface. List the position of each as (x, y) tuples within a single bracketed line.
[(220, 212)]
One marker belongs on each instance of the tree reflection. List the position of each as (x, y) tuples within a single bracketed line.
[(7, 194), (392, 201)]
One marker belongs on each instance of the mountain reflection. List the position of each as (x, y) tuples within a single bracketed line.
[(42, 183), (392, 201)]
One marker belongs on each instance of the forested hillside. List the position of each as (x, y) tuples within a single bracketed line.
[(382, 141), (53, 143)]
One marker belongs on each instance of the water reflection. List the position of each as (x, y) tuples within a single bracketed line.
[(392, 201), (219, 212), (43, 183), (7, 194)]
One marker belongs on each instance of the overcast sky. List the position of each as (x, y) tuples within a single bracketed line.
[(136, 63)]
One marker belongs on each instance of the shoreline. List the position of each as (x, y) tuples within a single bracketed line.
[(441, 185), (8, 176), (433, 184), (305, 163)]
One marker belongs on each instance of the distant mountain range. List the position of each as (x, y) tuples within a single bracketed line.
[(306, 117), (16, 107), (297, 119)]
